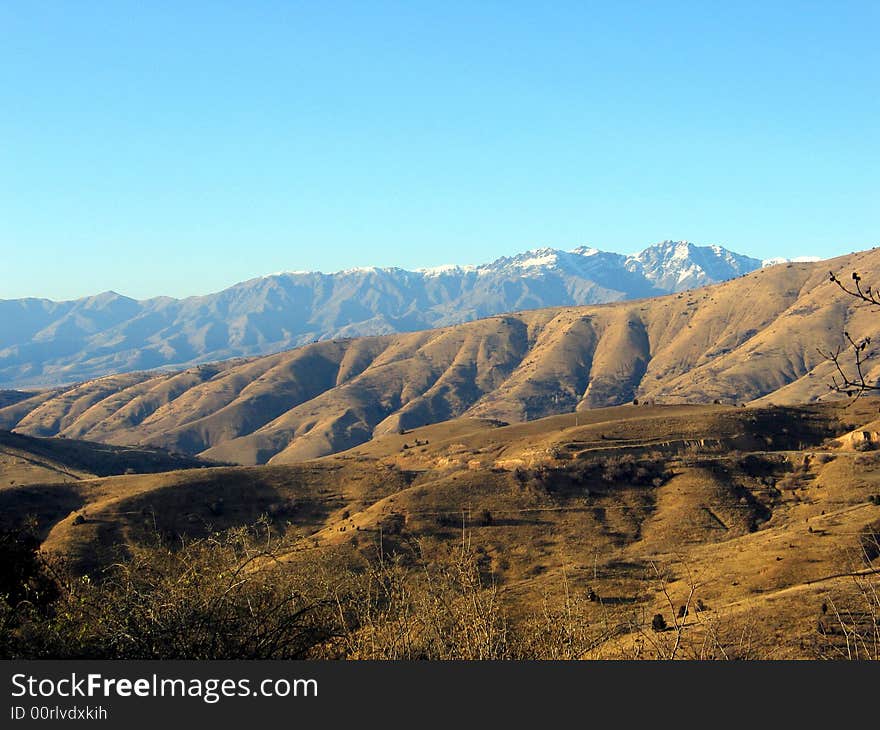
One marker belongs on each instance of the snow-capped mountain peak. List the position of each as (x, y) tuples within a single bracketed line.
[(585, 251), (539, 257), (677, 265)]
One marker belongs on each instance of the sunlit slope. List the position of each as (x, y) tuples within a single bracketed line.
[(755, 337), (764, 508)]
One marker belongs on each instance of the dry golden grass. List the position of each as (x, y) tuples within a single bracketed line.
[(756, 516)]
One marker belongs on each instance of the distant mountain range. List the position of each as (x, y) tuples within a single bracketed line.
[(47, 343), (756, 338)]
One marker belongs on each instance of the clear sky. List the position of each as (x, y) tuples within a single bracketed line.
[(178, 147)]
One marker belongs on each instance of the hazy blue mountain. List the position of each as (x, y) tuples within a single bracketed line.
[(47, 343)]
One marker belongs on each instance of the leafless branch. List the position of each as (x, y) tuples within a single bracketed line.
[(853, 384)]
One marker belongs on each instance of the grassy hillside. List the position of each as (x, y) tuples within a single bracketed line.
[(42, 478), (760, 514)]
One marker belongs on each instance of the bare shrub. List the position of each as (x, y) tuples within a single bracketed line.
[(223, 597), (628, 468), (440, 609)]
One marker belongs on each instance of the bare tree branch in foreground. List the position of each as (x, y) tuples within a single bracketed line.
[(853, 384)]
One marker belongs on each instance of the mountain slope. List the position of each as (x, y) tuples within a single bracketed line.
[(44, 343), (751, 338), (28, 460)]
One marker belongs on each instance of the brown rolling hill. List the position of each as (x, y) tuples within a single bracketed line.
[(26, 460), (762, 511), (41, 478), (755, 338)]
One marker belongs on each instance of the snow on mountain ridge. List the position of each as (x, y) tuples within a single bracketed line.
[(668, 265), (659, 261), (445, 269), (796, 260)]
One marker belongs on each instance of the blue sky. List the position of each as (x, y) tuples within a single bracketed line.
[(176, 148)]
